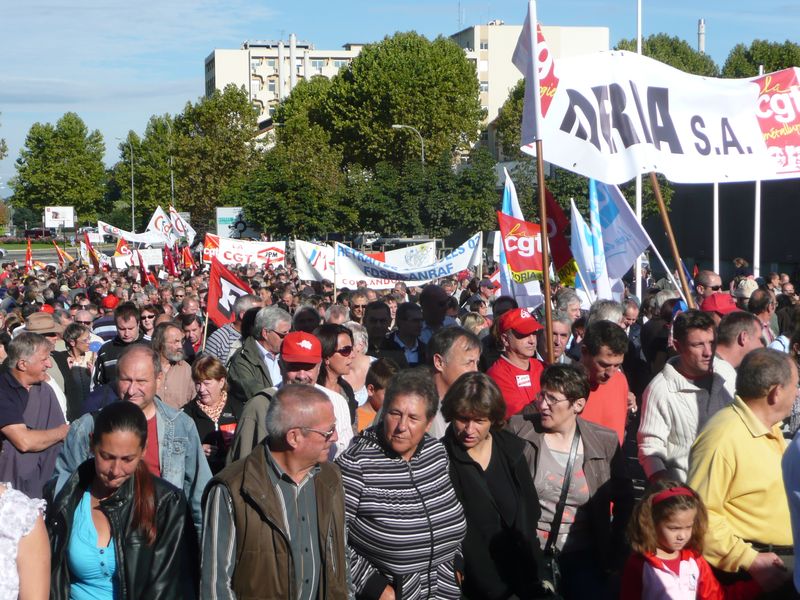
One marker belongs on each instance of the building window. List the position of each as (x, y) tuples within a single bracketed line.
[(271, 86), (338, 64), (484, 45), (317, 65), (256, 85), (484, 86), (254, 64), (271, 62), (483, 66)]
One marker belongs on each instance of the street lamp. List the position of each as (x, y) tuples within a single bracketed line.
[(421, 141), (171, 176), (133, 214)]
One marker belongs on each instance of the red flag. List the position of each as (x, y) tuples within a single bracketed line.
[(522, 242), (63, 257), (28, 258), (92, 253), (169, 265), (145, 276), (557, 224), (223, 290), (122, 248), (188, 261)]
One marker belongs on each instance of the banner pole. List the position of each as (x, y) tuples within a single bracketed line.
[(662, 209), (548, 309)]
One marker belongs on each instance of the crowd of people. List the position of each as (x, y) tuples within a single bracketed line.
[(417, 442)]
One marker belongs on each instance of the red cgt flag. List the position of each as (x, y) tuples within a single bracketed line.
[(522, 242), (28, 258), (223, 290)]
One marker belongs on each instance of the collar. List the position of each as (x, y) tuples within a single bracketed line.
[(277, 473), (754, 426), (266, 354), (13, 382), (400, 343)]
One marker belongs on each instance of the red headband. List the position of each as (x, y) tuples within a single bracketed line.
[(671, 493)]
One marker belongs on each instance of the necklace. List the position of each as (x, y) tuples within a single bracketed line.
[(214, 412)]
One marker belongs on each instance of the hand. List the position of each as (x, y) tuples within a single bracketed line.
[(64, 430), (768, 570), (388, 593), (208, 449), (632, 408)]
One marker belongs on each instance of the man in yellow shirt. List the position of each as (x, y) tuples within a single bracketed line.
[(735, 465)]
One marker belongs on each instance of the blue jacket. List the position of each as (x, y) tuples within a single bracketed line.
[(181, 456)]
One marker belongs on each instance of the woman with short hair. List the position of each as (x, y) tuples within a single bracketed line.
[(405, 525), (492, 481)]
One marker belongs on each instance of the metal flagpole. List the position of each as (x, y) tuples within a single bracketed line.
[(757, 219), (716, 227), (639, 177)]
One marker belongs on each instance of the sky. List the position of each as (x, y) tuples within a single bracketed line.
[(118, 63)]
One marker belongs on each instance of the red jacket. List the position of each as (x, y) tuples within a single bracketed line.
[(646, 577)]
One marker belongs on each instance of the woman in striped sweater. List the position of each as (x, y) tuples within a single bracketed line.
[(404, 523)]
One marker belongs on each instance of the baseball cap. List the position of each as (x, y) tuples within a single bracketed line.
[(520, 320), (719, 303), (109, 301), (301, 347), (487, 283)]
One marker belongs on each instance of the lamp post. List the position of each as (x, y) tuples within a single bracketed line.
[(133, 213), (421, 141), (171, 175)]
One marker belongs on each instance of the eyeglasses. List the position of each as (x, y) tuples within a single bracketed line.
[(714, 288), (345, 351), (83, 322), (279, 334), (361, 306), (148, 317), (326, 434), (548, 399)]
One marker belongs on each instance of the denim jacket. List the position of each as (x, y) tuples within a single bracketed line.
[(181, 457)]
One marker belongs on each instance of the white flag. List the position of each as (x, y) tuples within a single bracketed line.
[(601, 281), (580, 244), (181, 226), (161, 224), (314, 262), (624, 239)]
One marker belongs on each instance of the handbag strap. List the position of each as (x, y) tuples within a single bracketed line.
[(562, 501)]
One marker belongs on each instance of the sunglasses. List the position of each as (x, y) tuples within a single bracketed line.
[(279, 334), (148, 317), (361, 306), (345, 351), (83, 322), (326, 434), (715, 288)]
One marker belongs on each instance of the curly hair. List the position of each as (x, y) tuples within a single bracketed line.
[(646, 516)]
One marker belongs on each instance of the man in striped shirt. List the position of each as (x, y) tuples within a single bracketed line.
[(228, 339)]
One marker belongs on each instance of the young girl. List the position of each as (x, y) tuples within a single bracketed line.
[(666, 533)]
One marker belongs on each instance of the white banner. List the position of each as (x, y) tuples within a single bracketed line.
[(613, 115), (241, 252), (181, 226), (353, 266), (313, 261), (161, 224), (150, 237), (150, 257), (412, 256)]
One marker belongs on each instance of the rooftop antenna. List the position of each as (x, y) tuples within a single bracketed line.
[(460, 16)]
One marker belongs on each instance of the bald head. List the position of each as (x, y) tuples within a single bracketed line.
[(295, 405)]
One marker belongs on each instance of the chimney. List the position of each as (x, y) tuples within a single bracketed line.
[(292, 61), (701, 36)]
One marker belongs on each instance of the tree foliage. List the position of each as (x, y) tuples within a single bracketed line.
[(214, 146), (675, 52), (508, 124), (3, 149), (404, 79), (61, 165), (743, 61)]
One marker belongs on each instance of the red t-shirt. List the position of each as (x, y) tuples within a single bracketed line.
[(151, 449), (519, 386), (607, 405)]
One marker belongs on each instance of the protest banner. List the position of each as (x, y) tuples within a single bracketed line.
[(150, 256), (522, 242), (149, 237), (313, 262), (161, 224), (223, 290), (241, 252), (352, 266), (181, 226), (412, 256)]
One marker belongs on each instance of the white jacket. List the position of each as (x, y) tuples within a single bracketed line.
[(674, 410)]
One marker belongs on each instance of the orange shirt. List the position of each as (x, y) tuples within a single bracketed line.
[(607, 404)]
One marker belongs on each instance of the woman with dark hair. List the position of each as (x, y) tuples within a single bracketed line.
[(492, 481), (147, 317), (580, 477), (213, 414), (337, 360), (116, 531), (80, 361), (404, 523)]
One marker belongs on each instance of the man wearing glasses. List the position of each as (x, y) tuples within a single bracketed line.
[(255, 365), (705, 284), (280, 511), (358, 305)]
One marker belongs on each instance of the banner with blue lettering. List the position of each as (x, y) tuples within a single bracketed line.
[(613, 115), (352, 266)]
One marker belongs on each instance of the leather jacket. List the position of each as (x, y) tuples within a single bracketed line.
[(163, 570)]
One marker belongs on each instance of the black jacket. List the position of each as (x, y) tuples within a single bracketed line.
[(164, 570), (501, 560)]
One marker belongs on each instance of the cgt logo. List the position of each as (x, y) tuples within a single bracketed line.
[(519, 242), (163, 224)]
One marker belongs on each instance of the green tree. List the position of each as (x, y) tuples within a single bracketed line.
[(508, 124), (675, 52), (404, 79), (3, 149), (743, 61), (61, 165), (151, 172), (478, 199), (24, 218), (214, 146), (296, 190)]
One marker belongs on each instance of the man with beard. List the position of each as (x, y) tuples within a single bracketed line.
[(177, 387)]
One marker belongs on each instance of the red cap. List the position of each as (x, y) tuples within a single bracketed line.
[(109, 301), (301, 347), (520, 320), (719, 303), (48, 308)]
